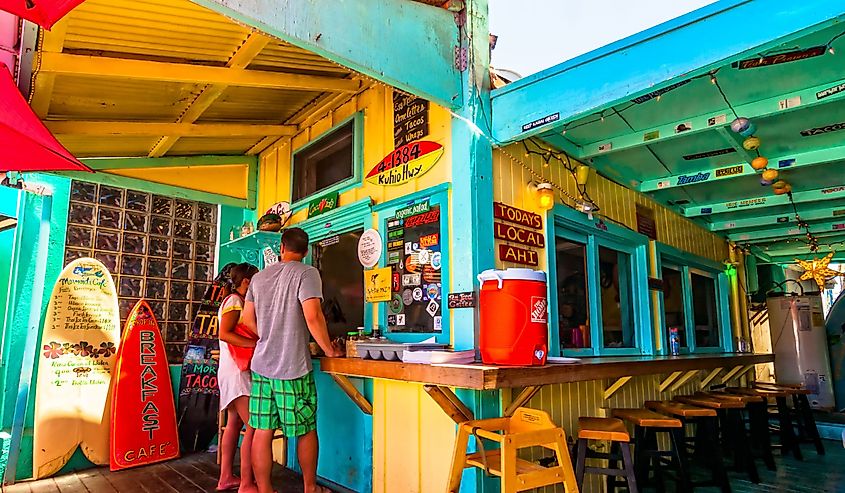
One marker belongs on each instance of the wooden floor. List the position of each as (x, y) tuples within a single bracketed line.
[(195, 473), (198, 473)]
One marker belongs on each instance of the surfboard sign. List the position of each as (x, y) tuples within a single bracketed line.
[(405, 163), (143, 414), (79, 342), (199, 395)]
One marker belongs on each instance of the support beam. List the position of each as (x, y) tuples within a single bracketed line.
[(829, 193), (254, 43), (459, 414), (668, 381), (785, 162), (815, 212), (770, 234), (732, 374), (757, 110), (652, 60), (172, 129), (618, 384), (350, 390), (710, 377), (122, 68), (166, 162), (684, 379), (425, 67), (522, 399)]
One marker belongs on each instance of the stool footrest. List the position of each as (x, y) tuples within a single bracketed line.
[(494, 461)]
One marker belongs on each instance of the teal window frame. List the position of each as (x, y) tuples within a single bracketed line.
[(568, 224), (437, 195), (345, 219), (357, 162), (688, 264)]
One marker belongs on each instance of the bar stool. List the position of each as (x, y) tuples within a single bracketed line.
[(758, 423), (647, 455), (705, 440), (808, 431), (614, 431), (786, 429), (526, 428), (733, 430)]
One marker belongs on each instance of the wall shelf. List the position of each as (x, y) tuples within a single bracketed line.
[(251, 245)]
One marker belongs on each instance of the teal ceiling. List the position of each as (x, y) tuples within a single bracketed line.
[(638, 145)]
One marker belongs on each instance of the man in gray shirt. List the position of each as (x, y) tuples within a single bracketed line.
[(283, 305)]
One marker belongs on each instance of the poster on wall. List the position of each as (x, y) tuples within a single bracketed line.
[(79, 342), (369, 248), (143, 416), (410, 118), (415, 257), (646, 223), (377, 284), (405, 163), (199, 396)]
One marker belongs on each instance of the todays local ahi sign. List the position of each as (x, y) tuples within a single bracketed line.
[(515, 234), (405, 163)]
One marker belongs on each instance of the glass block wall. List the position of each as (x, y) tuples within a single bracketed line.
[(157, 247)]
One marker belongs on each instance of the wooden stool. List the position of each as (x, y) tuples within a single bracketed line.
[(758, 423), (733, 430), (808, 431), (614, 431), (648, 456), (221, 427), (705, 440), (786, 429), (526, 428)]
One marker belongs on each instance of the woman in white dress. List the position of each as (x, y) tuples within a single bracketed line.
[(235, 385)]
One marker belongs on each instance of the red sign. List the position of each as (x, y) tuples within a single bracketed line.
[(516, 234), (405, 163), (425, 218), (791, 56), (517, 216), (518, 255), (143, 422)]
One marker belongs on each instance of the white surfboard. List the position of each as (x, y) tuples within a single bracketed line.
[(78, 349)]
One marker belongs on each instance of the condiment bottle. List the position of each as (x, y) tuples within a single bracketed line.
[(674, 341)]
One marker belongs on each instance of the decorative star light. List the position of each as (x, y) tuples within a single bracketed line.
[(817, 269)]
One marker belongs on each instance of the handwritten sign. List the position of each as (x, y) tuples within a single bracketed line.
[(405, 163), (517, 216), (369, 248), (461, 300), (791, 56), (516, 234), (410, 118), (78, 349), (378, 285), (508, 253)]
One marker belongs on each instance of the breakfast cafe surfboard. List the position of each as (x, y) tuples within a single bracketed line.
[(143, 422), (406, 163), (79, 340)]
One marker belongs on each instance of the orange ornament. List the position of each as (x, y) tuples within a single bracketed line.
[(759, 163), (770, 174)]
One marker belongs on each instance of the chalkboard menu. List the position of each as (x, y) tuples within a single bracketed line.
[(415, 257), (410, 118)]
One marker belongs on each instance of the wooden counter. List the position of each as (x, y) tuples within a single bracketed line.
[(484, 377)]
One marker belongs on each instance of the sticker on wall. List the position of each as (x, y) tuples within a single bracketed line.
[(432, 307), (787, 103), (408, 248), (785, 163), (683, 127), (395, 304), (540, 122), (377, 284), (717, 120), (411, 279), (412, 210), (424, 257), (429, 240), (605, 147), (438, 323), (729, 171), (396, 284), (430, 274), (407, 297), (400, 319), (405, 163), (369, 248), (830, 91), (270, 257), (411, 264), (823, 130), (436, 259), (654, 134), (433, 291), (393, 257), (417, 294), (391, 320)]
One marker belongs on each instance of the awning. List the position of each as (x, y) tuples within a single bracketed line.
[(25, 143), (45, 13)]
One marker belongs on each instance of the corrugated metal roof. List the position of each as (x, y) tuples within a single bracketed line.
[(173, 32)]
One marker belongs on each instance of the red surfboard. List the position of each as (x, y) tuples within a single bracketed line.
[(143, 423)]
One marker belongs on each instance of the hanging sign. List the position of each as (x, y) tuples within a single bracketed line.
[(405, 163), (823, 130), (517, 216), (645, 221), (331, 240), (714, 153), (270, 257), (729, 171), (516, 234), (830, 91), (369, 248), (322, 204), (540, 122), (508, 253), (410, 118), (378, 285), (792, 56)]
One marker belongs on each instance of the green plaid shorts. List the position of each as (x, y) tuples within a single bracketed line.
[(287, 405)]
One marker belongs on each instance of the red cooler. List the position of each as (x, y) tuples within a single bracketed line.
[(513, 322)]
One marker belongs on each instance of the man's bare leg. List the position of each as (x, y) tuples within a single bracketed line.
[(262, 459), (308, 448)]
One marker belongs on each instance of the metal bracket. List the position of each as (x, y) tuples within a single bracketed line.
[(461, 58), (618, 384)]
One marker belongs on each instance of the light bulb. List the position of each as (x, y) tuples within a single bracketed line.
[(545, 196), (831, 50)]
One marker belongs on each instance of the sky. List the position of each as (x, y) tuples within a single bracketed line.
[(537, 34)]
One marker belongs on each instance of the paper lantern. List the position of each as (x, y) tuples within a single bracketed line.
[(751, 143), (582, 174), (749, 131), (781, 187), (740, 124), (770, 175), (759, 163)]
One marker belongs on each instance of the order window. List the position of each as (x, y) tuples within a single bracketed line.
[(343, 291), (674, 312), (325, 162), (704, 311)]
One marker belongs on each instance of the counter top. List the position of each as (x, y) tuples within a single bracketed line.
[(485, 377)]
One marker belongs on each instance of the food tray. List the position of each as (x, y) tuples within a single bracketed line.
[(392, 351)]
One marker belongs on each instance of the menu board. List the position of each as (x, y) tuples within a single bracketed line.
[(410, 118), (414, 255), (78, 344)]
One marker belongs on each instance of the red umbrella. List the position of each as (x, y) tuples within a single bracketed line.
[(25, 143), (45, 13)]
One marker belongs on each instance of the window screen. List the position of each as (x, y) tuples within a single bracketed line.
[(157, 247), (324, 163)]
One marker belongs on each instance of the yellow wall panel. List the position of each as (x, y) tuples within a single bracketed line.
[(229, 180)]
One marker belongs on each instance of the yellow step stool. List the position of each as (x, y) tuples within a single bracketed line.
[(526, 428)]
